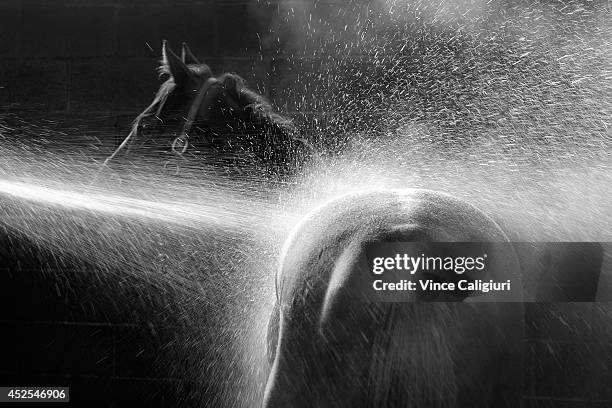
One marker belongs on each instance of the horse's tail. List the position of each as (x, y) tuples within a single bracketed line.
[(412, 362), (405, 352)]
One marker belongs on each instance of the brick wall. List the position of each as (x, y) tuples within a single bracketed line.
[(83, 61), (86, 68), (65, 323), (101, 55)]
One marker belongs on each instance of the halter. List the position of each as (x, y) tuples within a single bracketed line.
[(180, 144)]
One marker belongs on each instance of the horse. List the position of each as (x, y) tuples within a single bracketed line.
[(331, 343), (195, 111)]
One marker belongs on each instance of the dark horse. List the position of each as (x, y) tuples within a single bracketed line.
[(196, 112)]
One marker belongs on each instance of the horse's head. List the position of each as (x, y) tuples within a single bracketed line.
[(195, 110)]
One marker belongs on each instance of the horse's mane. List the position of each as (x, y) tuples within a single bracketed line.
[(237, 86)]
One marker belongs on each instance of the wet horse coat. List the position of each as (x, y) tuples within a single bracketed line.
[(332, 346)]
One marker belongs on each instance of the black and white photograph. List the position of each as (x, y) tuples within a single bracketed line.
[(306, 203)]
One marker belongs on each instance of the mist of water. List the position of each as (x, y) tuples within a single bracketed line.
[(505, 105)]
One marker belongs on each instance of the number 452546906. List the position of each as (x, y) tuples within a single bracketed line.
[(51, 394)]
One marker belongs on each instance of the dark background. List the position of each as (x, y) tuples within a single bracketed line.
[(88, 67)]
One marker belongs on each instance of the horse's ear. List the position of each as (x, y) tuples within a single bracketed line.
[(175, 66), (187, 56)]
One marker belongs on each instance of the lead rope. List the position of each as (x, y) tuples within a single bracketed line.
[(181, 142)]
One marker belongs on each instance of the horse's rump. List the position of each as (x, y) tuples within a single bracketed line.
[(335, 346)]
